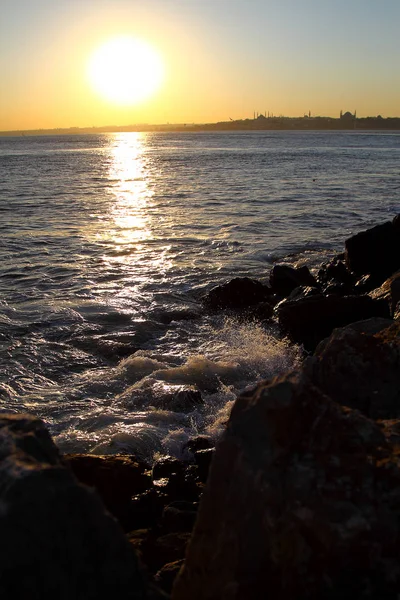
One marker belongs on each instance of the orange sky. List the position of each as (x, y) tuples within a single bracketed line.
[(222, 59)]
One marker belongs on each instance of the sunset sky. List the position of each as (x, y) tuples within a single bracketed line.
[(220, 59)]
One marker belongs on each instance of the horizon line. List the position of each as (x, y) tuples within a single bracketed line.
[(260, 118)]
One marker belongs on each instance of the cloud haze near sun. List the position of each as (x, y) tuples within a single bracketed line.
[(221, 59)]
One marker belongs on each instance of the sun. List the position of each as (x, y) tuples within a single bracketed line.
[(125, 70)]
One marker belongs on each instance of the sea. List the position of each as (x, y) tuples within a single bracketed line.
[(109, 242)]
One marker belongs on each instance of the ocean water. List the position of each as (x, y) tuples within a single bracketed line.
[(108, 243)]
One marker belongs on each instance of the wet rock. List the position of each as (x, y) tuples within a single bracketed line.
[(360, 369), (116, 479), (57, 538), (375, 251), (167, 574), (302, 502), (199, 443), (166, 466), (390, 291), (262, 311), (176, 398), (335, 273), (111, 349), (237, 294), (301, 292), (284, 279), (309, 320)]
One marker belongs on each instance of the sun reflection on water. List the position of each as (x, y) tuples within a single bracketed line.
[(129, 185)]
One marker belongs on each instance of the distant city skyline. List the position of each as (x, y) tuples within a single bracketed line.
[(222, 59)]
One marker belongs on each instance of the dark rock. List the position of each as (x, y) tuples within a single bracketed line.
[(366, 284), (57, 539), (262, 311), (309, 320), (237, 294), (203, 460), (284, 279), (177, 398), (179, 516), (176, 480), (166, 549), (167, 466), (375, 251), (146, 509), (164, 396), (167, 574), (180, 486), (336, 272), (115, 478), (302, 502), (199, 443), (301, 292), (337, 288), (360, 368), (104, 346), (397, 311), (390, 291)]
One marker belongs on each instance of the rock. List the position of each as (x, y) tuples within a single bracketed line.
[(309, 320), (337, 273), (166, 466), (199, 443), (284, 279), (375, 251), (146, 509), (237, 294), (367, 283), (301, 292), (203, 460), (176, 398), (390, 291), (360, 369), (168, 548), (262, 311), (397, 311), (302, 502), (57, 538), (176, 480), (167, 574), (116, 479), (179, 516)]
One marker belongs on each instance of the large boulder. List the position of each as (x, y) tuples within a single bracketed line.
[(375, 251), (238, 294), (359, 366), (302, 502), (309, 319), (58, 541)]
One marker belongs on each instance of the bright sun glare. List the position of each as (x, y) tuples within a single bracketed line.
[(125, 70)]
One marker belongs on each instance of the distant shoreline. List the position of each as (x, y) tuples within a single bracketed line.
[(259, 124)]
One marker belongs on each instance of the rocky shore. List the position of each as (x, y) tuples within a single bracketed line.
[(300, 499)]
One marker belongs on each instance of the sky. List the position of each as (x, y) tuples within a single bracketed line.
[(222, 59)]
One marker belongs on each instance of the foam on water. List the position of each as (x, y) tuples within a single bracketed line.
[(123, 411)]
